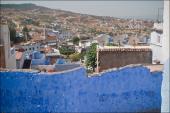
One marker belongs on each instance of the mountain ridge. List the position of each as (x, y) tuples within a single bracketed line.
[(31, 6)]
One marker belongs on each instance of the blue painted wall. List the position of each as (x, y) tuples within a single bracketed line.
[(38, 58), (128, 89)]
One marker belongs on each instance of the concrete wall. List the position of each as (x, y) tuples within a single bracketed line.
[(129, 89), (57, 67), (165, 90), (10, 61), (2, 57), (156, 46), (112, 59), (62, 67)]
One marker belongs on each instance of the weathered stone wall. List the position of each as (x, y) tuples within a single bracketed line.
[(2, 57), (112, 59), (132, 89)]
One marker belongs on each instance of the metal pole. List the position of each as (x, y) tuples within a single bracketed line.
[(97, 49)]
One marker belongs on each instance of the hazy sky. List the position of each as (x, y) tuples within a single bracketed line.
[(124, 9)]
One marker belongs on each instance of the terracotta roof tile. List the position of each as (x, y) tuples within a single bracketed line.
[(125, 49)]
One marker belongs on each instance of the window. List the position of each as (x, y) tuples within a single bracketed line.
[(29, 48)]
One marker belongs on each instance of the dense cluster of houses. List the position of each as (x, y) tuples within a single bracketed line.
[(42, 49)]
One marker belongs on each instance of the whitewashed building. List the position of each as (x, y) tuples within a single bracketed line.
[(29, 47), (66, 34), (85, 43), (156, 43)]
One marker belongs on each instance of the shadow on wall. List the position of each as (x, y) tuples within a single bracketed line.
[(132, 89)]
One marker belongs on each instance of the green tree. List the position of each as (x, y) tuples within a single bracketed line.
[(25, 32), (75, 56), (12, 30), (91, 30), (91, 56), (36, 23), (110, 33), (82, 54), (13, 35), (76, 40), (66, 50)]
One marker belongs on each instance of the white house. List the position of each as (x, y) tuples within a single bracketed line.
[(65, 34), (104, 39), (156, 43), (85, 43), (29, 47)]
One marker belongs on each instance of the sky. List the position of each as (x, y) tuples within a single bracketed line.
[(123, 9)]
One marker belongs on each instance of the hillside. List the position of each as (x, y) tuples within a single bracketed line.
[(84, 23), (30, 6), (19, 6)]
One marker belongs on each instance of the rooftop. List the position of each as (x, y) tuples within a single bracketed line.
[(158, 26), (27, 43)]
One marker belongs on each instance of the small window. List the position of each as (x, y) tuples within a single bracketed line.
[(25, 49), (32, 48), (29, 48)]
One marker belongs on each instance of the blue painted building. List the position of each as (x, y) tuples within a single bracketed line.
[(131, 89), (39, 58)]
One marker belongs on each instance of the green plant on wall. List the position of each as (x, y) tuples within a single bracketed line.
[(91, 56)]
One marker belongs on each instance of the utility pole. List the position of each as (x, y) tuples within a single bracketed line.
[(97, 50)]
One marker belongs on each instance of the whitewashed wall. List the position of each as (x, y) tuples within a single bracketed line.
[(156, 46), (165, 107)]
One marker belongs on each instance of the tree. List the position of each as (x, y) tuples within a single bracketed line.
[(82, 54), (91, 56), (13, 35), (92, 30), (75, 57), (76, 40), (36, 23), (12, 31), (110, 33), (25, 31), (66, 50)]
